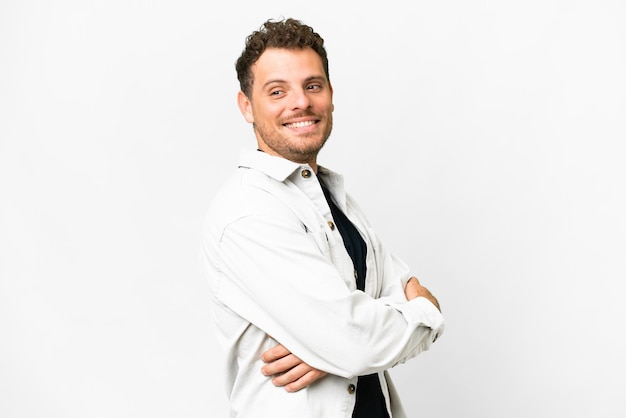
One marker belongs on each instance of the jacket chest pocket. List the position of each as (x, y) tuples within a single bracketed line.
[(334, 251), (321, 240)]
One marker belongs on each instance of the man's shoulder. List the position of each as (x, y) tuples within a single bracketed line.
[(247, 192)]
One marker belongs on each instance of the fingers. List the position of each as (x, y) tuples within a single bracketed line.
[(414, 289), (288, 371), (309, 377), (281, 365), (275, 353), (291, 375), (298, 377)]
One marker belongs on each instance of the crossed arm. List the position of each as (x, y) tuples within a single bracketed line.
[(293, 374)]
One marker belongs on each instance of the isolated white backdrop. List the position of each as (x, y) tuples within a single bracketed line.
[(485, 140)]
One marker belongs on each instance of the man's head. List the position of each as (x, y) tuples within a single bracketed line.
[(287, 34), (285, 90)]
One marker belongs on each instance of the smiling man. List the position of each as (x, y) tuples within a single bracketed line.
[(310, 307), (292, 107)]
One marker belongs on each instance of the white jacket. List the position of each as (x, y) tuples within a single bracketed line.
[(277, 266)]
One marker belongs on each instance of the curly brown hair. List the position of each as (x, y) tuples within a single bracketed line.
[(287, 33)]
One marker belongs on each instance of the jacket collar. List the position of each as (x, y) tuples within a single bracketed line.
[(277, 167), (281, 169)]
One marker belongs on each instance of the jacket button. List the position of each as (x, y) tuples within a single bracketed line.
[(351, 388), (306, 173), (331, 225)]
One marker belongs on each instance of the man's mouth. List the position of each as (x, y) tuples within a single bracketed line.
[(302, 124)]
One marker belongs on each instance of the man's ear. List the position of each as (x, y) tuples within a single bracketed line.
[(245, 107)]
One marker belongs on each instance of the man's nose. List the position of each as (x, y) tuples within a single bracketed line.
[(300, 99)]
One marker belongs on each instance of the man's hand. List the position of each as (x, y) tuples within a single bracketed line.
[(414, 289), (288, 370)]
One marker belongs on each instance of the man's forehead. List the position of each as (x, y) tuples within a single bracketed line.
[(277, 61)]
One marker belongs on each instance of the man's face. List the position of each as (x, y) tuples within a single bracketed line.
[(291, 105)]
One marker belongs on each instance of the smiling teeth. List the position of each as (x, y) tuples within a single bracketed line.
[(300, 124)]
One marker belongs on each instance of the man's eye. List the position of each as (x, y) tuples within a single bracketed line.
[(275, 92), (314, 87)]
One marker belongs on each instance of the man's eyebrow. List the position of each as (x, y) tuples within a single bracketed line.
[(306, 80), (315, 78), (275, 81)]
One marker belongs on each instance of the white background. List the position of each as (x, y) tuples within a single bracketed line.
[(485, 139)]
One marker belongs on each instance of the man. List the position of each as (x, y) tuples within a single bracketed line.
[(309, 305)]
